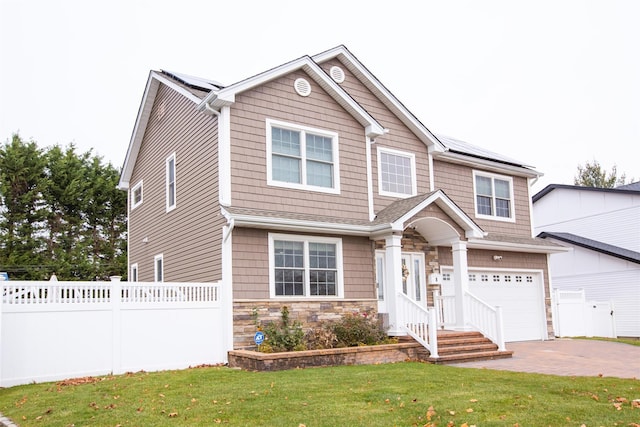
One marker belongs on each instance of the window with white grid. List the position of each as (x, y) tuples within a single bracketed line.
[(396, 173)]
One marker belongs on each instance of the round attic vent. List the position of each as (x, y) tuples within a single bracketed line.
[(337, 74), (302, 87)]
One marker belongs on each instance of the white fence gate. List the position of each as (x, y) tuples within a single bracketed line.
[(55, 330), (574, 316)]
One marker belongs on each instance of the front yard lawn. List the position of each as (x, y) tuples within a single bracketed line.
[(402, 394)]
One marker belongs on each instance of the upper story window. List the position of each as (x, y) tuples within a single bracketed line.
[(302, 157), (305, 266), (396, 173), (136, 195), (493, 196), (171, 182), (158, 268)]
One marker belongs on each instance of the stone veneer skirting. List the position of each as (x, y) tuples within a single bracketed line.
[(309, 313), (366, 355)]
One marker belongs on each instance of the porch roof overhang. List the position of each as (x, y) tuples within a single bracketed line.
[(499, 242), (391, 220), (401, 213)]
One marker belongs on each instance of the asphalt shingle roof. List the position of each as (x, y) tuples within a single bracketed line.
[(594, 245)]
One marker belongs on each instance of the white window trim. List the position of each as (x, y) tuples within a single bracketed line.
[(412, 157), (133, 190), (157, 258), (512, 204), (304, 129), (134, 267), (306, 240), (175, 185)]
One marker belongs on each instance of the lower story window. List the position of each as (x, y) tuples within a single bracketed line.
[(305, 266)]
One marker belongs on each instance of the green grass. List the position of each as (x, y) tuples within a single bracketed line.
[(380, 395), (630, 341)]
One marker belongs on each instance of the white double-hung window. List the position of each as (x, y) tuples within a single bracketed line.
[(171, 182), (493, 196), (305, 266), (396, 173), (302, 157)]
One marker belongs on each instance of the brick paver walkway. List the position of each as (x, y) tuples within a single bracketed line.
[(570, 357)]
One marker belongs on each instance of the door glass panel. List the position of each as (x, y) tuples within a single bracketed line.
[(380, 277), (416, 278)]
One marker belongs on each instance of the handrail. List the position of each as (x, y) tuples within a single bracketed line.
[(485, 318), (420, 323)]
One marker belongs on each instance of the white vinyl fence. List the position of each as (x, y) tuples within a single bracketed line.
[(56, 330), (574, 316)]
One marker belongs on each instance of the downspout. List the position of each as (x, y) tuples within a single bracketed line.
[(226, 248), (369, 143)]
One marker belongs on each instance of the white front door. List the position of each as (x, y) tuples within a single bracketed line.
[(414, 283)]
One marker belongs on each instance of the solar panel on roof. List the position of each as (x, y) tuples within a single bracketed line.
[(196, 82), (474, 150)]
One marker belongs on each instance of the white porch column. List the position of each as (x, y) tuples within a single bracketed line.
[(393, 270), (460, 280)]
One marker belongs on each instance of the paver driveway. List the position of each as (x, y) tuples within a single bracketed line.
[(571, 357)]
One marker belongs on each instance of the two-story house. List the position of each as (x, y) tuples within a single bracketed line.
[(310, 185)]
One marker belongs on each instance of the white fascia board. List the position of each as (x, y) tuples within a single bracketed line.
[(286, 224), (387, 98), (514, 247), (488, 165), (144, 113)]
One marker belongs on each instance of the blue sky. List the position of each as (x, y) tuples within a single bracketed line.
[(551, 83)]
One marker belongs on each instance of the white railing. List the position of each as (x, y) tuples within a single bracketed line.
[(33, 293), (445, 307), (485, 318), (174, 292), (39, 293), (420, 323)]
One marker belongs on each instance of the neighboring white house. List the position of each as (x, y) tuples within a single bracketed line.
[(602, 228)]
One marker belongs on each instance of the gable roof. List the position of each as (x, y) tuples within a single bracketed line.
[(144, 113), (594, 245), (438, 144), (379, 90), (226, 95), (624, 189)]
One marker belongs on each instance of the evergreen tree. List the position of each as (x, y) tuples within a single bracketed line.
[(22, 212), (60, 212)]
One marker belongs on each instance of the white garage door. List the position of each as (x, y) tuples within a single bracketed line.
[(520, 296)]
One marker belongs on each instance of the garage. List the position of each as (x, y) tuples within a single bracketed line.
[(519, 293)]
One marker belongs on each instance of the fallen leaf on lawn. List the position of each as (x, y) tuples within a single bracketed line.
[(161, 395), (173, 414), (386, 400), (166, 386), (140, 409), (39, 417), (634, 425), (473, 400), (301, 425), (464, 425), (193, 399), (402, 404), (618, 406), (635, 403), (595, 397), (430, 413), (621, 399), (452, 412), (217, 421), (451, 424), (470, 410)]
